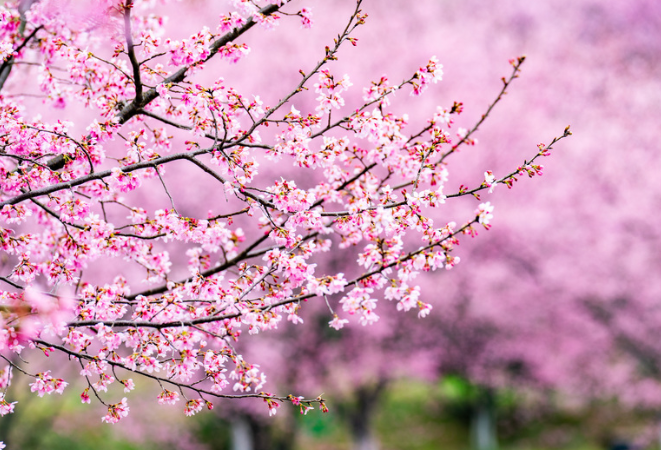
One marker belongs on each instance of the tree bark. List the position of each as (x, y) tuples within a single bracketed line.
[(251, 433), (361, 416), (483, 422), (241, 433)]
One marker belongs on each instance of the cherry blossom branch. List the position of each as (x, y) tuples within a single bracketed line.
[(245, 254), (98, 176), (511, 177), (209, 319), (330, 56), (131, 53), (5, 68), (129, 111), (11, 283), (83, 356), (516, 63), (246, 274), (17, 367)]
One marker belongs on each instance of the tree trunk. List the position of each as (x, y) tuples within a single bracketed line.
[(364, 440), (251, 433), (241, 434), (361, 415), (483, 423)]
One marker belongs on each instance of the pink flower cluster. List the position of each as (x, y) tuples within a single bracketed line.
[(426, 75), (46, 384), (330, 91), (116, 412), (5, 406)]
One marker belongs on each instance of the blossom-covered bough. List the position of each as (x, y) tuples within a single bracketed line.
[(71, 200)]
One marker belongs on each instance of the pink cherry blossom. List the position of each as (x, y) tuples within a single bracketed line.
[(116, 412), (485, 213), (193, 407), (46, 384), (6, 407)]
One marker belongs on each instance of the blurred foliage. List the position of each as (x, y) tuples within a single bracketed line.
[(411, 416)]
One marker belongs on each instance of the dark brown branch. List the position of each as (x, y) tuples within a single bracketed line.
[(129, 111), (5, 68), (8, 281), (511, 175), (330, 56), (83, 356), (245, 254), (209, 319), (506, 83), (97, 176), (131, 52)]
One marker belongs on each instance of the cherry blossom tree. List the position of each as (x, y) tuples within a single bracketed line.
[(563, 297), (587, 309), (122, 270), (567, 286)]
